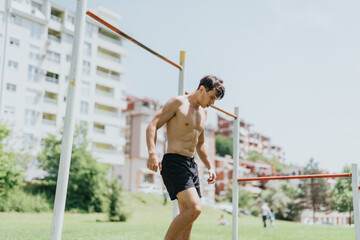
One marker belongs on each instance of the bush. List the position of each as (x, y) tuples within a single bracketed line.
[(115, 204), (19, 201)]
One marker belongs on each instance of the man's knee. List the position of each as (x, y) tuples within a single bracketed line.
[(195, 211)]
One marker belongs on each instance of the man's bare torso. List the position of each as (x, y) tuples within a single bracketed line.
[(184, 128)]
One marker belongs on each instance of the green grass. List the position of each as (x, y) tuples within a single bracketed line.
[(149, 221)]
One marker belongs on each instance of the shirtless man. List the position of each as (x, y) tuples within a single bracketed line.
[(185, 122)]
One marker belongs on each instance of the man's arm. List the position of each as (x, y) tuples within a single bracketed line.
[(161, 117), (204, 156)]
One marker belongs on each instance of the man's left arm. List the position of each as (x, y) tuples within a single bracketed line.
[(204, 156)]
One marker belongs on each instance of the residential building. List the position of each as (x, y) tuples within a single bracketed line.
[(329, 218), (36, 38), (249, 139), (134, 174)]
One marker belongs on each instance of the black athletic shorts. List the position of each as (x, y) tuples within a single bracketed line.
[(179, 173)]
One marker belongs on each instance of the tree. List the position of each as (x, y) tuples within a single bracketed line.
[(313, 190), (87, 182), (11, 164), (255, 156), (276, 199), (224, 145), (342, 200)]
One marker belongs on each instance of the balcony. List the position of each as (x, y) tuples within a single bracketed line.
[(108, 55), (56, 18), (50, 97), (108, 74), (109, 37), (54, 36), (99, 128), (51, 79), (104, 148), (105, 113), (104, 91)]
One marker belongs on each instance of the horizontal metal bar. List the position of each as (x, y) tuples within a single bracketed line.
[(112, 27), (295, 177)]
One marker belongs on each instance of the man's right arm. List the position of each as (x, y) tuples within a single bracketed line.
[(164, 115)]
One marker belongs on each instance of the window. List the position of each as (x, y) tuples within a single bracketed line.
[(1, 16), (9, 111), (68, 38), (53, 56), (84, 107), (14, 42), (13, 65), (34, 53), (15, 19), (35, 30), (71, 19), (33, 74), (36, 5), (68, 58), (32, 96), (88, 30), (87, 49), (85, 88), (30, 117), (11, 87), (52, 77), (86, 68)]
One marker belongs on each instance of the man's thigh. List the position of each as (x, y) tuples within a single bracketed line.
[(188, 198)]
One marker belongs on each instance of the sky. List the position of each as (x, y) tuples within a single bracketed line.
[(292, 67)]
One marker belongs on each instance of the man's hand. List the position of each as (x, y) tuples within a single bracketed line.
[(212, 176), (153, 162)]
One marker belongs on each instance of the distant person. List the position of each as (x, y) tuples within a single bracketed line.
[(272, 218), (222, 221), (265, 213)]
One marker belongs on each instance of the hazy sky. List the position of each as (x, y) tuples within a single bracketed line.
[(292, 67)]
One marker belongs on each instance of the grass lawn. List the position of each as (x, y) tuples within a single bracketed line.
[(149, 221)]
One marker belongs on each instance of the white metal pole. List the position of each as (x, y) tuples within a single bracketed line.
[(355, 188), (5, 42), (235, 185), (66, 146), (181, 91)]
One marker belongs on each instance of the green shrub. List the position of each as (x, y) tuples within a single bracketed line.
[(116, 213), (19, 201)]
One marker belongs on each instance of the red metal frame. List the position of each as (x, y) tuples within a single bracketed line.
[(295, 177), (112, 27)]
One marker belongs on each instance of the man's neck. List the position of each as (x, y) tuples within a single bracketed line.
[(193, 99)]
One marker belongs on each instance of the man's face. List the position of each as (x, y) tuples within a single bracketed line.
[(208, 98)]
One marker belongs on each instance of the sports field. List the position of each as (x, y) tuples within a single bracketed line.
[(149, 220)]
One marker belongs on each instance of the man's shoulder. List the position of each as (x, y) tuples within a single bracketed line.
[(177, 100)]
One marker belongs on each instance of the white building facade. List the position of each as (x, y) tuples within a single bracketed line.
[(36, 39)]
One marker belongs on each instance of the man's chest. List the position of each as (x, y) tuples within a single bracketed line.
[(191, 118)]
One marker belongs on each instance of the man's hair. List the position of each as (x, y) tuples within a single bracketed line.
[(211, 82)]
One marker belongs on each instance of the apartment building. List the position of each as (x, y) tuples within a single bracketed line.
[(36, 38), (134, 174), (250, 140)]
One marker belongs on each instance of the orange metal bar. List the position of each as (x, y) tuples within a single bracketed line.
[(102, 21), (227, 113), (295, 177)]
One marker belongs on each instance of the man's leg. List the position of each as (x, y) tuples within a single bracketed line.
[(190, 209)]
